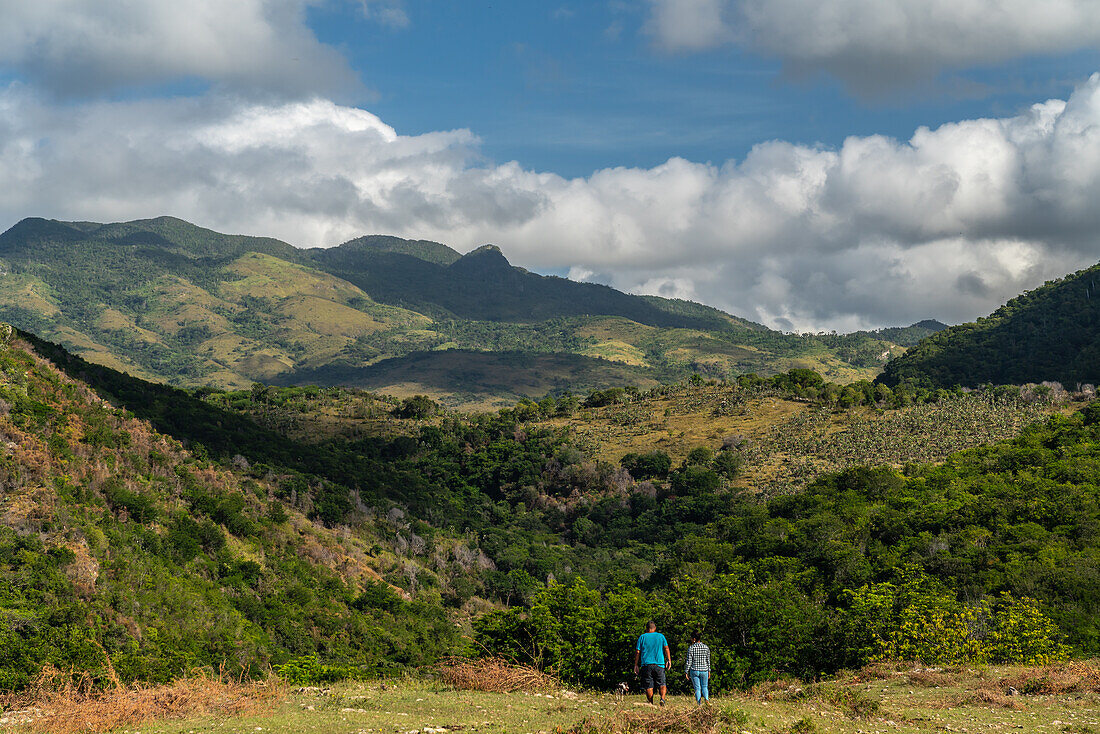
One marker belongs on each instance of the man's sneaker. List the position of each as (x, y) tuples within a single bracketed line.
[(662, 702)]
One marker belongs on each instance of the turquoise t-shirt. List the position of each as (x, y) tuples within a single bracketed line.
[(652, 647)]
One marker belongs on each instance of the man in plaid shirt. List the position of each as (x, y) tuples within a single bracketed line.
[(697, 668)]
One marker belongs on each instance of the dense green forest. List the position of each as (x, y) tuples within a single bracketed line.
[(255, 547), (1049, 334)]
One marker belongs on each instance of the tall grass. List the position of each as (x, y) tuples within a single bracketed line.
[(66, 702)]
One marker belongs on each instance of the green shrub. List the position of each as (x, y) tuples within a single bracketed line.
[(650, 465), (307, 670), (921, 620), (699, 456), (140, 507), (728, 463), (417, 407), (378, 595)]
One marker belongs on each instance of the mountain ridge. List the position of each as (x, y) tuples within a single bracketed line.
[(169, 300), (433, 252)]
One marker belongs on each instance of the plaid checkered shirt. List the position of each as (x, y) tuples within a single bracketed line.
[(698, 658)]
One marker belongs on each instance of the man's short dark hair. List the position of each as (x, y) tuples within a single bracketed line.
[(651, 625)]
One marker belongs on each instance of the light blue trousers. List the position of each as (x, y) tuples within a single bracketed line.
[(699, 680)]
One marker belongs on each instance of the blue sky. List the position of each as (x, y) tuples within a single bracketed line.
[(573, 88), (809, 164)]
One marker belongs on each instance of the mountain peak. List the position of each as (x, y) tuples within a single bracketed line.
[(486, 250), (931, 324), (486, 260), (34, 229)]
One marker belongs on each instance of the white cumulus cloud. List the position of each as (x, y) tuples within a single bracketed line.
[(878, 231), (876, 43), (81, 48)]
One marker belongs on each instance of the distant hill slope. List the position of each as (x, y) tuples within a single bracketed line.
[(481, 379), (166, 300), (908, 336), (1050, 333), (376, 244), (167, 234), (483, 286)]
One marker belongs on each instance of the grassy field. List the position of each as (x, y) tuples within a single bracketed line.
[(909, 699)]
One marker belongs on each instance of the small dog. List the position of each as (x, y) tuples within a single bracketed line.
[(620, 691)]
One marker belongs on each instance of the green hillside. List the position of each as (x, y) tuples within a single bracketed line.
[(166, 300), (1049, 334), (378, 533), (118, 547)]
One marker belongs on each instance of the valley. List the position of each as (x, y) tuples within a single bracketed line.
[(416, 505)]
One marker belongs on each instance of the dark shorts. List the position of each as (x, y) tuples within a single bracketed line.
[(653, 676)]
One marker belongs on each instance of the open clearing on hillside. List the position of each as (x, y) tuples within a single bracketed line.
[(910, 699), (784, 442), (787, 442)]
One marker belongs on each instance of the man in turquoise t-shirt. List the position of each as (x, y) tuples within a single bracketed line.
[(652, 653)]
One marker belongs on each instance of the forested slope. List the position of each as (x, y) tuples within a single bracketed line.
[(1049, 334), (116, 541)]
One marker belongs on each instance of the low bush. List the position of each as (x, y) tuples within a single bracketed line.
[(307, 670), (494, 675), (694, 720)]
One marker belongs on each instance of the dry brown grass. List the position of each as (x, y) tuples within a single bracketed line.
[(930, 678), (987, 697), (61, 702), (911, 673), (694, 720), (1076, 676), (778, 689), (494, 675), (852, 701), (879, 670)]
